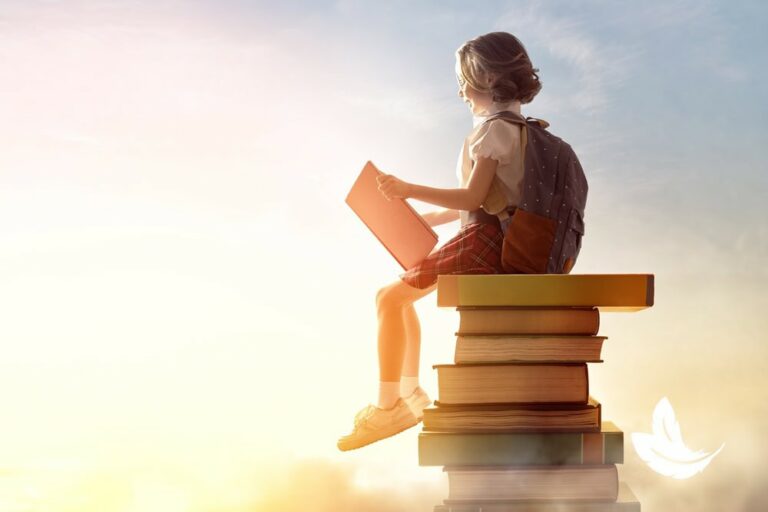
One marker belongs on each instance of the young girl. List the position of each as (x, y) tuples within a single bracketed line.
[(494, 75)]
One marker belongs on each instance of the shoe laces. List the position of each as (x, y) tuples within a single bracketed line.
[(364, 414)]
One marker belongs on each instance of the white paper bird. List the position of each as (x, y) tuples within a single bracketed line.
[(664, 450)]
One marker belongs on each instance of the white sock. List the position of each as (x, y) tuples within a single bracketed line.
[(389, 392), (408, 385)]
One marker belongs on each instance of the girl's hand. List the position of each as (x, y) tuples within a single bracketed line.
[(392, 187)]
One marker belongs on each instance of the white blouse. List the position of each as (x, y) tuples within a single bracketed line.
[(500, 140)]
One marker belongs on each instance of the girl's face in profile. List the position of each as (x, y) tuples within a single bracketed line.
[(477, 101)]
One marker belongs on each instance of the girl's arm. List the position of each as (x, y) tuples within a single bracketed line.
[(469, 198), (441, 217)]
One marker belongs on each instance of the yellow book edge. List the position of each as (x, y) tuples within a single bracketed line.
[(607, 292)]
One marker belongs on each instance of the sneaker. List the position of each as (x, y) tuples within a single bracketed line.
[(417, 402), (373, 424)]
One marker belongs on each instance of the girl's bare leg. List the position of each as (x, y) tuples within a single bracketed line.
[(412, 342), (399, 334), (394, 326)]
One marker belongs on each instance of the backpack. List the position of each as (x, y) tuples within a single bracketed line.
[(543, 235)]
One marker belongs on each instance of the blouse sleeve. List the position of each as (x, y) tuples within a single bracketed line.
[(495, 139)]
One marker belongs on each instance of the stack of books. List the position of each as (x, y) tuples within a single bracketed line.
[(514, 425)]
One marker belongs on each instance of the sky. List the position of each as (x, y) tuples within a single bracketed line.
[(188, 304)]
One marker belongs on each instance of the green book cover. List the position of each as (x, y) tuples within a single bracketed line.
[(522, 448)]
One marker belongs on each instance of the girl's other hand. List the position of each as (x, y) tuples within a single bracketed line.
[(440, 217), (392, 187), (432, 219)]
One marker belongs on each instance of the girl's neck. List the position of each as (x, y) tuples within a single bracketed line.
[(493, 108)]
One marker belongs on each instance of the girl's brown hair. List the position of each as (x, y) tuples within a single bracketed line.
[(498, 63)]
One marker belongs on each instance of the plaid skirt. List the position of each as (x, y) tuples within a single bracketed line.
[(476, 249)]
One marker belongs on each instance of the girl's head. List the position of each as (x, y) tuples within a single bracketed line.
[(497, 67)]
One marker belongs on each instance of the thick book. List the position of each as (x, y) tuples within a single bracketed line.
[(608, 292), (512, 383), (498, 348), (506, 320), (490, 418), (399, 228), (522, 448), (625, 502), (533, 483)]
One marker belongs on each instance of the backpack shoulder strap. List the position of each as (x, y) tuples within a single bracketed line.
[(506, 115), (514, 118), (540, 122)]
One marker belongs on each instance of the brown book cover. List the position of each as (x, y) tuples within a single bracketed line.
[(497, 348), (625, 502), (399, 228), (532, 483), (513, 383), (515, 320), (489, 418)]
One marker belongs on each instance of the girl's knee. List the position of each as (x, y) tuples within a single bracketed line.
[(399, 295), (384, 298), (389, 297)]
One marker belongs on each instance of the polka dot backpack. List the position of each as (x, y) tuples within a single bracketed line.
[(543, 235)]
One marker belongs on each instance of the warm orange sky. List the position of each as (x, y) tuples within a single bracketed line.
[(188, 305)]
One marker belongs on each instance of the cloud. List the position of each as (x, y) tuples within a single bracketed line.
[(667, 15), (699, 27), (294, 486), (420, 109), (321, 485), (324, 486), (596, 68)]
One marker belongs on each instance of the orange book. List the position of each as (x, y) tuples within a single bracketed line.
[(512, 383), (527, 321), (491, 418), (399, 228)]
